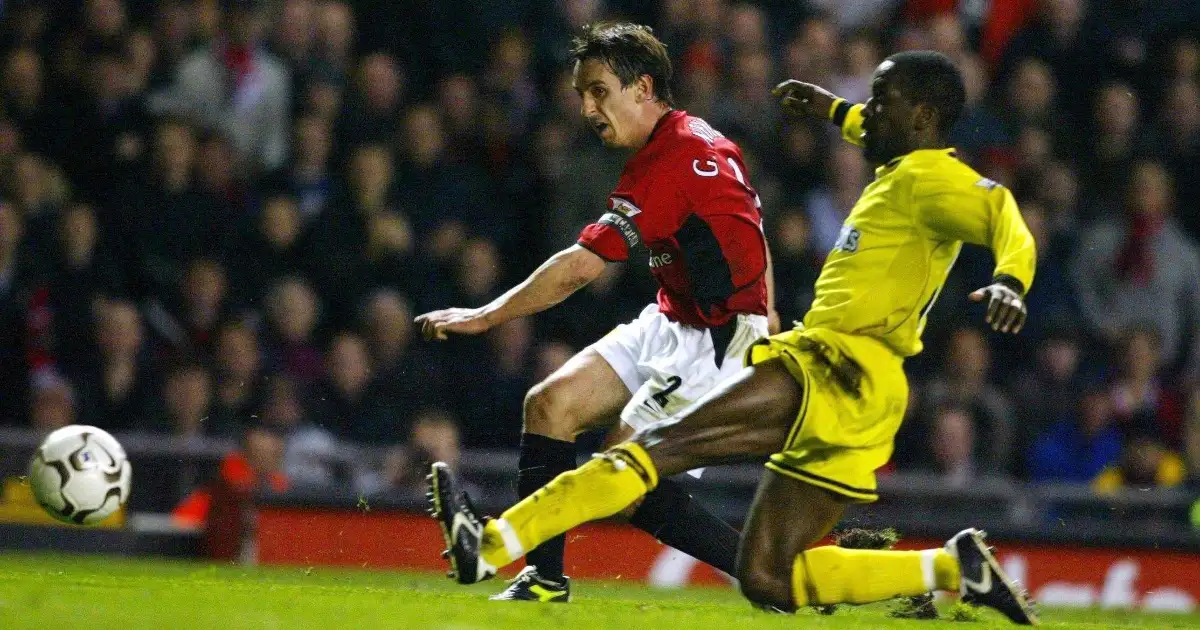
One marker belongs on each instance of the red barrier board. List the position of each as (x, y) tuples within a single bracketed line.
[(1056, 575)]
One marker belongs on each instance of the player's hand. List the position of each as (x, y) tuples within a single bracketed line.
[(774, 325), (460, 321), (804, 99), (1006, 309)]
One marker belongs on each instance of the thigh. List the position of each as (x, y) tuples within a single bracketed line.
[(585, 392), (787, 517), (744, 418)]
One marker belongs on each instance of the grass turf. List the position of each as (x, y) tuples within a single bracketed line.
[(90, 592)]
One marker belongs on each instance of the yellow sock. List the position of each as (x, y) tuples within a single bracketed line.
[(602, 487), (834, 575)]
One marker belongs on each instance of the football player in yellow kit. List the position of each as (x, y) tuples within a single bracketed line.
[(824, 400)]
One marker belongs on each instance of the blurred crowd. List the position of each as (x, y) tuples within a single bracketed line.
[(219, 218)]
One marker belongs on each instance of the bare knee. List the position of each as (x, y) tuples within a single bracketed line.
[(550, 411), (765, 585)]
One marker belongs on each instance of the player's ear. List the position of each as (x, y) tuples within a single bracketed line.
[(645, 88), (924, 117)]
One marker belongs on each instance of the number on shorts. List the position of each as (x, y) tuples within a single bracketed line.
[(673, 384)]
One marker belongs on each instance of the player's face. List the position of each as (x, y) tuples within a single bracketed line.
[(612, 111), (887, 118)]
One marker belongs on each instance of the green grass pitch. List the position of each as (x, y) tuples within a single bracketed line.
[(93, 593)]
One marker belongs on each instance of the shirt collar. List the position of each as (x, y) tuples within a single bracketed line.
[(918, 154)]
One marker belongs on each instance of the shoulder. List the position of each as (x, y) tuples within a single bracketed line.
[(691, 135), (949, 176)]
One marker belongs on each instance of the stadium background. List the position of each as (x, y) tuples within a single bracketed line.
[(216, 252)]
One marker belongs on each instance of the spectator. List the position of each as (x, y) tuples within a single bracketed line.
[(365, 239), (1144, 404), (409, 373), (221, 508), (308, 176), (860, 57), (334, 44), (1179, 134), (351, 403), (14, 371), (953, 444), (53, 406), (1056, 37), (103, 136), (458, 191), (509, 82), (217, 174), (828, 206), (24, 99), (252, 105), (274, 248), (1144, 463), (239, 378), (187, 397), (748, 110), (311, 455), (797, 264), (434, 437), (1049, 392), (188, 328), (81, 275), (1109, 156), (38, 192), (293, 39), (1052, 296), (373, 110), (117, 388), (1078, 449), (1141, 269), (575, 175), (293, 312), (980, 129), (163, 221), (964, 383)]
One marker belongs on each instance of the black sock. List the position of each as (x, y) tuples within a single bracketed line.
[(543, 459), (671, 515)]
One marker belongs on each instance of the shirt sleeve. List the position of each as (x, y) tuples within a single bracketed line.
[(984, 214), (616, 233), (849, 118)]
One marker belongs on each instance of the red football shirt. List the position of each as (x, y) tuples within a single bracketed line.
[(685, 197)]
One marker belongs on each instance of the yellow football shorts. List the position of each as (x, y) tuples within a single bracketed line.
[(855, 394)]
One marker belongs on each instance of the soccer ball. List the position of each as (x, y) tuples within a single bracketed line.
[(80, 474)]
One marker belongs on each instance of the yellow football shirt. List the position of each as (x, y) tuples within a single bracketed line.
[(902, 237)]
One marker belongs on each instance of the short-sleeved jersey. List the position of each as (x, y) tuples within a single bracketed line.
[(684, 196), (901, 239)]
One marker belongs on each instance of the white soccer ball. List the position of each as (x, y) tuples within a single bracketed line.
[(80, 474)]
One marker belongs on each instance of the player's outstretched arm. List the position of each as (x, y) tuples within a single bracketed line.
[(805, 99), (554, 281)]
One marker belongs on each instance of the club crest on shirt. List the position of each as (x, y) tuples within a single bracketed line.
[(847, 240)]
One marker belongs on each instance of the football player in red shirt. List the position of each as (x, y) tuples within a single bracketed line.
[(683, 202)]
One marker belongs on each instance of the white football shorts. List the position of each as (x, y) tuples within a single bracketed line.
[(667, 366)]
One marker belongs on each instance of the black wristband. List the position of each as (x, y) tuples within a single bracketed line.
[(839, 113), (1010, 282)]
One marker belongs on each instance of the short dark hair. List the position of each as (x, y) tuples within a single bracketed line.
[(931, 78), (630, 50)]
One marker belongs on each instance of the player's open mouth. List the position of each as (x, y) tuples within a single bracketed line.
[(600, 128)]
